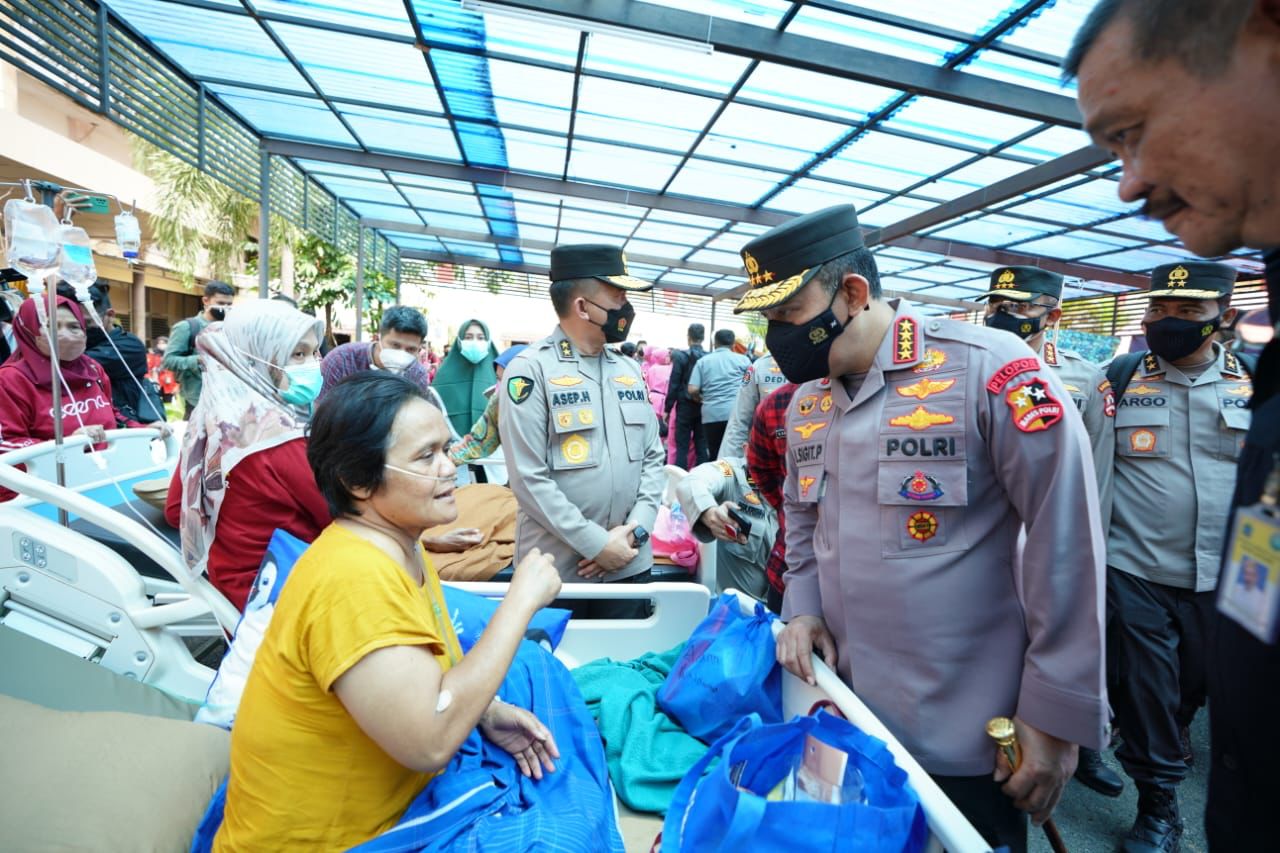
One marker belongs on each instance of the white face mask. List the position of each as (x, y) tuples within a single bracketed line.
[(395, 360)]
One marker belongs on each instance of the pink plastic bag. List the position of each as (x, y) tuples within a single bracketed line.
[(673, 538)]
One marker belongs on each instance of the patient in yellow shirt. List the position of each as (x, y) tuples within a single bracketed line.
[(359, 693)]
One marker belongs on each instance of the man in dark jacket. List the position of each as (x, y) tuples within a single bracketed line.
[(688, 411), (124, 363)]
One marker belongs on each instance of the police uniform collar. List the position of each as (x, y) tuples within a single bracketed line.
[(567, 351), (1151, 365), (1231, 364), (1049, 352)]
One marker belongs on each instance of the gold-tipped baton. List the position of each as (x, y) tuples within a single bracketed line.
[(1001, 730)]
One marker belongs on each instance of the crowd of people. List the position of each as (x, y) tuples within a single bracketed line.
[(962, 521)]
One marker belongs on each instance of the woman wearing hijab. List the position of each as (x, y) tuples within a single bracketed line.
[(465, 374), (244, 469), (26, 384)]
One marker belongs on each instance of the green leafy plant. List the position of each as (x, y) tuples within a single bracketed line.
[(320, 277)]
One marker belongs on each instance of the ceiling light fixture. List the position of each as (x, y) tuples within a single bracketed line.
[(592, 27)]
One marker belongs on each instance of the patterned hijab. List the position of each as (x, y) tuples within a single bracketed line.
[(35, 364), (240, 410)]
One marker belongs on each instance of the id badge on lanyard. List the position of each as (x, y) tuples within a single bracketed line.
[(1249, 593)]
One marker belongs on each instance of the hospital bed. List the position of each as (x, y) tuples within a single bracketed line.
[(65, 589)]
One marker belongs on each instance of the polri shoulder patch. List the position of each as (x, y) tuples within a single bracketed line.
[(906, 345), (1033, 405)]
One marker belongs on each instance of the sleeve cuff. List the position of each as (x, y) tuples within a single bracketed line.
[(591, 541), (801, 597), (1074, 717)]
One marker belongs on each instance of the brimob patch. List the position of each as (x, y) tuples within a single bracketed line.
[(519, 389), (1034, 407)]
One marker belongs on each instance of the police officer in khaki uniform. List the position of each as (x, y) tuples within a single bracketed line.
[(918, 450), (1025, 301), (762, 379), (1181, 419), (707, 494), (579, 434)]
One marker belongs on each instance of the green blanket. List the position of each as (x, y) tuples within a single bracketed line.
[(648, 752)]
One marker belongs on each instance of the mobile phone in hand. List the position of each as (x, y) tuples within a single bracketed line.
[(744, 526)]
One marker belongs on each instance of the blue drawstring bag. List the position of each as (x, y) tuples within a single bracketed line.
[(715, 813), (728, 669)]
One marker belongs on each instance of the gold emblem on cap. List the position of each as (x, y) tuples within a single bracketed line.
[(624, 263), (1006, 279), (1178, 276), (753, 266)]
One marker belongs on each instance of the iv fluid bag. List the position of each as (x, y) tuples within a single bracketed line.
[(31, 239)]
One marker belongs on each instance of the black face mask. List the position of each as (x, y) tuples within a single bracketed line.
[(1023, 327), (1173, 338), (218, 312), (803, 352), (617, 322)]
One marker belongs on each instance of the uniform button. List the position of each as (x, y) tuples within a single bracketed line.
[(1229, 761), (935, 326)]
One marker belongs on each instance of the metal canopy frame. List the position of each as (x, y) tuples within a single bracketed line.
[(1025, 190)]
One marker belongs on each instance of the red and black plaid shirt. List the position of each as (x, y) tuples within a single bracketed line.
[(767, 467)]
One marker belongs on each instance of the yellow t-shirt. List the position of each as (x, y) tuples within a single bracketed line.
[(303, 774)]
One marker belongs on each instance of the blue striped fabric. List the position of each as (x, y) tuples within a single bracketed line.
[(482, 804)]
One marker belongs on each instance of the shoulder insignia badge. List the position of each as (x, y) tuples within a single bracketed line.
[(519, 389), (807, 430), (566, 381), (922, 419), (920, 487), (1050, 353), (1034, 407), (725, 468), (1011, 371), (566, 350), (805, 405), (906, 347), (925, 388), (1150, 365), (933, 360), (1231, 364)]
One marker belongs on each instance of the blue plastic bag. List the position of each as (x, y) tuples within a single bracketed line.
[(470, 613), (712, 813), (727, 670)]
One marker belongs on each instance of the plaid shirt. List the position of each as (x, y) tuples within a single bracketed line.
[(767, 467)]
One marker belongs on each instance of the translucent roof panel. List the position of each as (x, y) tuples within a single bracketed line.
[(972, 16), (761, 13), (444, 202), (1075, 245), (894, 210), (946, 121), (733, 184), (1142, 260), (603, 164), (992, 230), (981, 173), (1051, 29), (845, 100), (1136, 226), (766, 138), (285, 115), (535, 152), (521, 37), (410, 134), (679, 235), (384, 16), (362, 68), (847, 30), (1019, 71), (712, 72), (201, 41), (807, 195), (1050, 143), (890, 162), (531, 97), (642, 115)]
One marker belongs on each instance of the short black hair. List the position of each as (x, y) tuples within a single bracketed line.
[(627, 348), (697, 333), (566, 290), (219, 288), (1199, 33), (858, 262), (405, 320), (724, 337), (350, 432), (97, 294)]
